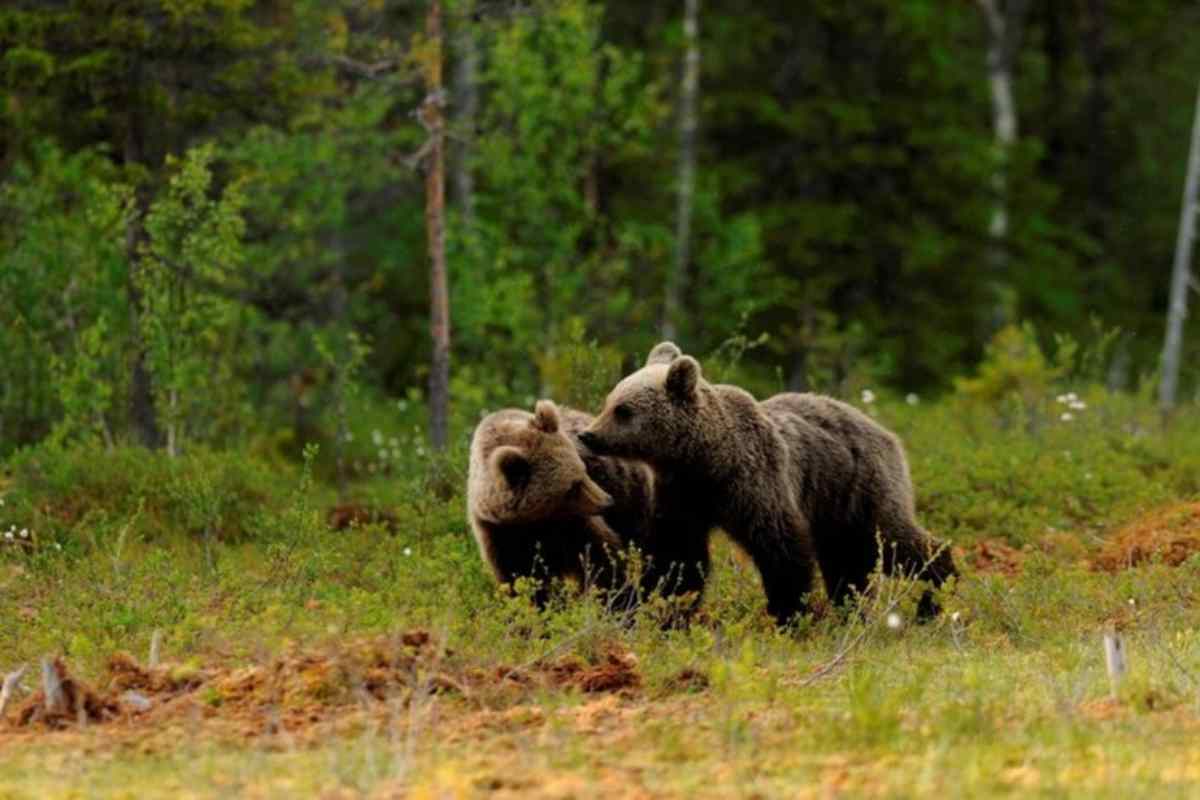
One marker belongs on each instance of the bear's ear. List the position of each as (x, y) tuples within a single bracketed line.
[(545, 416), (682, 377), (512, 465), (663, 353)]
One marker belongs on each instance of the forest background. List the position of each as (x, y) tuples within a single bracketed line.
[(215, 222)]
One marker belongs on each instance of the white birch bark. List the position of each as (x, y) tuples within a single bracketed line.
[(1003, 29), (1181, 278), (688, 125)]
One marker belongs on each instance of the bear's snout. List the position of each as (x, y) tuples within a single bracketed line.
[(591, 441)]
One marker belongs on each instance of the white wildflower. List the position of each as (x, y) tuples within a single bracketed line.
[(1078, 405), (408, 551), (402, 405), (57, 546), (421, 451), (894, 621), (868, 396), (1067, 416), (24, 533), (912, 399), (8, 535), (377, 437), (956, 616)]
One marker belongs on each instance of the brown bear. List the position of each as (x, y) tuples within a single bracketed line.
[(542, 505), (792, 479)]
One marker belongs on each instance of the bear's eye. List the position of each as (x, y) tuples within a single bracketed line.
[(623, 413)]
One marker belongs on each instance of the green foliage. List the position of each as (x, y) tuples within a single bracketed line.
[(577, 372), (63, 280), (79, 496), (563, 105), (1015, 377), (191, 335)]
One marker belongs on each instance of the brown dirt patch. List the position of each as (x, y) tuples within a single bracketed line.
[(1170, 535), (75, 703), (995, 556), (685, 681), (303, 691), (350, 515)]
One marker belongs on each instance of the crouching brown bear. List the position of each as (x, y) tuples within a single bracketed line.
[(542, 505), (794, 479)]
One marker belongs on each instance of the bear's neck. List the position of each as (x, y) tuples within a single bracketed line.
[(734, 444)]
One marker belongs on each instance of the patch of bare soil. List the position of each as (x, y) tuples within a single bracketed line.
[(305, 690), (995, 556), (1170, 535), (350, 515)]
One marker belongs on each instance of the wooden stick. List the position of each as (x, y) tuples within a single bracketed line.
[(155, 645), (9, 687), (52, 687), (1114, 660)]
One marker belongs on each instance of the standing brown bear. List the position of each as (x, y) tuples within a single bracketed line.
[(792, 479), (542, 505)]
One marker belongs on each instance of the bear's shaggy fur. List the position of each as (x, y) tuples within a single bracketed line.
[(542, 505), (794, 479)]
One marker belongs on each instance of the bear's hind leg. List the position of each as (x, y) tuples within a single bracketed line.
[(847, 561)]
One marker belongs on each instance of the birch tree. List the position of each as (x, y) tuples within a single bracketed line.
[(1181, 276), (1004, 19), (688, 123)]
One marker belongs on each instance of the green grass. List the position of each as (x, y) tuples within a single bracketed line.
[(1005, 694)]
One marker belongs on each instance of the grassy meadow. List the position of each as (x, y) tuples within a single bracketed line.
[(313, 645)]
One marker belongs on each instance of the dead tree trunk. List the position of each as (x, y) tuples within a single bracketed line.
[(142, 411), (435, 227), (689, 92), (1181, 273)]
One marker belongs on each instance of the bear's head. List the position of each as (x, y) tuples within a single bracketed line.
[(534, 472), (651, 414)]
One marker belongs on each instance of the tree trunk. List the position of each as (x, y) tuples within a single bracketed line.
[(337, 315), (1054, 47), (435, 226), (1003, 30), (1096, 106), (689, 92), (141, 391), (1181, 278)]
